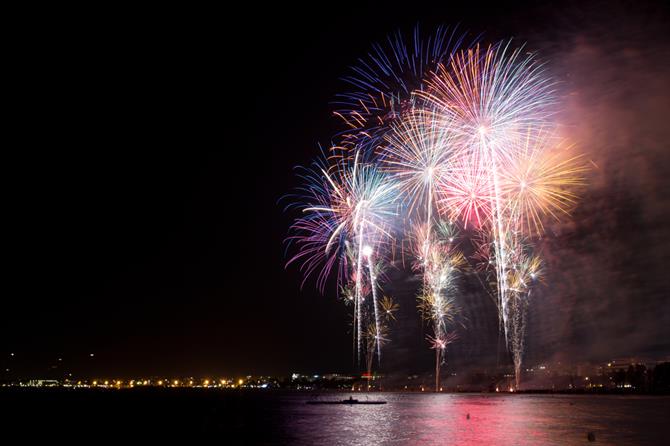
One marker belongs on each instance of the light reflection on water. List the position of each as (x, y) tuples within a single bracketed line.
[(441, 419)]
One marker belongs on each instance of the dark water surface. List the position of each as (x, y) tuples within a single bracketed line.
[(284, 418)]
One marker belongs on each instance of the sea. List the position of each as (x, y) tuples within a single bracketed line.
[(271, 417)]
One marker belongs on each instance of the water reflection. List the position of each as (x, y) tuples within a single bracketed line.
[(442, 419)]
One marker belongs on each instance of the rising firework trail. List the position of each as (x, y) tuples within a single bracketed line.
[(439, 262), (525, 270)]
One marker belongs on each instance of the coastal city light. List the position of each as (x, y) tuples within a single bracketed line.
[(632, 375)]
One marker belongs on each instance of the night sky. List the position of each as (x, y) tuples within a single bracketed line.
[(148, 152)]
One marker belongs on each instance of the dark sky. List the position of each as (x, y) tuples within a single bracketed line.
[(147, 152)]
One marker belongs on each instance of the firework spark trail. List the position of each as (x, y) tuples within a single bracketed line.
[(465, 194), (499, 235), (350, 202), (526, 269), (382, 83), (417, 153), (541, 181), (376, 193), (496, 89), (359, 281), (373, 283), (319, 235), (436, 301)]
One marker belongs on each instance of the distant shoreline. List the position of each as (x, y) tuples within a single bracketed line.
[(164, 390)]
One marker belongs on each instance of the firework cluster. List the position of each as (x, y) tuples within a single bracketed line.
[(443, 143)]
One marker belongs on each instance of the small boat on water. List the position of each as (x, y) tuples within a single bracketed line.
[(349, 401)]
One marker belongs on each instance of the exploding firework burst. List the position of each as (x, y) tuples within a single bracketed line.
[(382, 84), (543, 180), (417, 153), (466, 193), (438, 136), (497, 92)]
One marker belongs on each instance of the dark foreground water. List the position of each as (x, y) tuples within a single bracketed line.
[(284, 418)]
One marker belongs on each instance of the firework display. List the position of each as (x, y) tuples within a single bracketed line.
[(441, 141)]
